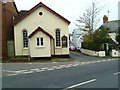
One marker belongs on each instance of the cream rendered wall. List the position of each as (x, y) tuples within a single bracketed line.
[(43, 51), (48, 21)]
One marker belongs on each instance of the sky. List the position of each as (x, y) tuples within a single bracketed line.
[(73, 9)]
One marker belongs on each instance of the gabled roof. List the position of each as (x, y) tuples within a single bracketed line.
[(44, 6), (112, 26), (39, 29)]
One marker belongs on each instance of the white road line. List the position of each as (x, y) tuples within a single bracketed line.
[(20, 71), (93, 62), (58, 67), (54, 62), (27, 72), (104, 60), (75, 65), (68, 66), (54, 67), (50, 69), (45, 68), (12, 74), (40, 70), (82, 63), (62, 66), (88, 62), (86, 82), (34, 69), (109, 60), (99, 61), (116, 73), (7, 71), (29, 63)]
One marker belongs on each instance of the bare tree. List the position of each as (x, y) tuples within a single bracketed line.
[(90, 16)]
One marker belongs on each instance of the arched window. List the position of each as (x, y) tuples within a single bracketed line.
[(25, 39), (64, 41), (57, 37)]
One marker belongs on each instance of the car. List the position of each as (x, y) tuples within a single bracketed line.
[(72, 48)]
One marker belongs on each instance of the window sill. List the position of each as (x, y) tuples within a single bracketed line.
[(40, 47), (58, 47), (25, 48)]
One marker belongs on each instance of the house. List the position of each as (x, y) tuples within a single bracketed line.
[(41, 32), (119, 10), (112, 27), (77, 38), (9, 11), (70, 38)]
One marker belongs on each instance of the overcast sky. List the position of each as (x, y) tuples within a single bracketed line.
[(72, 9)]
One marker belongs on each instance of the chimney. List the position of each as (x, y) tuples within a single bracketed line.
[(105, 19)]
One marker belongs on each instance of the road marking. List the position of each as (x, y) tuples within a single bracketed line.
[(27, 72), (40, 70), (99, 61), (34, 69), (12, 74), (54, 67), (68, 66), (50, 69), (62, 66), (75, 65), (104, 60), (88, 62), (86, 82), (45, 68), (82, 63), (29, 63), (54, 62), (116, 73), (93, 62), (20, 71)]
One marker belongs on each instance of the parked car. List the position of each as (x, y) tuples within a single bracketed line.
[(72, 47)]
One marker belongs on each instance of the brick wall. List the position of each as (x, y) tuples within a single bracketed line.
[(8, 11)]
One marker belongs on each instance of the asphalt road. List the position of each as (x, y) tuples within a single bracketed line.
[(87, 73)]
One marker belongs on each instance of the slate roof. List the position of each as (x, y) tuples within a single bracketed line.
[(112, 26)]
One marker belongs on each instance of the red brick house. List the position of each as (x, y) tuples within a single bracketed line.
[(9, 11)]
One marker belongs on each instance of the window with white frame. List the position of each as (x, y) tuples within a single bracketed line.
[(40, 41), (57, 37), (25, 39)]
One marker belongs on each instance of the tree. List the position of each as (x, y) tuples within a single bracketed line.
[(96, 40), (90, 16), (118, 36)]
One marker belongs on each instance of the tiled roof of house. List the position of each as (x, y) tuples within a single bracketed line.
[(44, 6)]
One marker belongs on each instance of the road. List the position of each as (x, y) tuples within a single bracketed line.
[(88, 73)]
